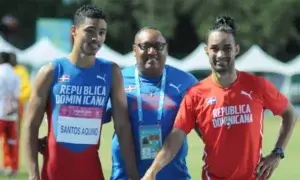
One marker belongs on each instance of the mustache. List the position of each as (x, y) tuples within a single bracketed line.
[(152, 57), (95, 43), (223, 59)]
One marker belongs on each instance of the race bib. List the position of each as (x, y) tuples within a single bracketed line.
[(79, 125), (150, 141)]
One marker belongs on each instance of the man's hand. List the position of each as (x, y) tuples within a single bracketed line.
[(149, 175), (42, 142), (266, 167), (169, 150)]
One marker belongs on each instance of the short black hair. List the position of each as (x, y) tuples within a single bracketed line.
[(225, 24), (4, 57), (88, 11), (13, 59), (147, 28)]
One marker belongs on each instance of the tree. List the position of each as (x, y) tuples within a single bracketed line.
[(128, 16), (267, 23)]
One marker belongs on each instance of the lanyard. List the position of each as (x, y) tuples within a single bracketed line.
[(139, 96)]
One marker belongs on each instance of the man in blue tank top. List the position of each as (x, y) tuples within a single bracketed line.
[(74, 92), (154, 91)]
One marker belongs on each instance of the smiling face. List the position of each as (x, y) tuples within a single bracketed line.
[(221, 49), (89, 35), (150, 50)]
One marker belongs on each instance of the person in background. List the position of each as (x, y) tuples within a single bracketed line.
[(74, 92), (228, 109), (9, 94), (23, 74), (154, 91)]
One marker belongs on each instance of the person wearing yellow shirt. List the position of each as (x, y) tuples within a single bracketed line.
[(23, 73)]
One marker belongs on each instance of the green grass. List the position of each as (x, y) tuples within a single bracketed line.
[(287, 170)]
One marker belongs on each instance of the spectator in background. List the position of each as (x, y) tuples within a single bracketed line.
[(23, 73), (25, 90), (9, 94)]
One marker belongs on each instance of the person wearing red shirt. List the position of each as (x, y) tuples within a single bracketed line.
[(228, 109)]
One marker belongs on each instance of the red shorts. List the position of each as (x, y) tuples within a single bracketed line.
[(9, 134)]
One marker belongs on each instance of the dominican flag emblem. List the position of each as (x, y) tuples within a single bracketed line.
[(211, 100), (130, 88), (64, 78)]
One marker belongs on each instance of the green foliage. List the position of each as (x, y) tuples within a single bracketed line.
[(124, 13), (270, 24)]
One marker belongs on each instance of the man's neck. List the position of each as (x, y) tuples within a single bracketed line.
[(151, 74), (225, 79), (81, 60)]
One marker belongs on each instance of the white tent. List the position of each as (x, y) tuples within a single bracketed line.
[(294, 65), (107, 53), (293, 86), (40, 53), (196, 60), (174, 62), (7, 47), (129, 60), (256, 60)]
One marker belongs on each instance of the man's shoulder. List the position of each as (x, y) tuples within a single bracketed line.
[(248, 76), (104, 61), (251, 79), (47, 71), (178, 72), (60, 60), (180, 76), (7, 70), (6, 67), (200, 89)]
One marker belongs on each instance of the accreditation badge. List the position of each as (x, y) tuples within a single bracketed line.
[(150, 141)]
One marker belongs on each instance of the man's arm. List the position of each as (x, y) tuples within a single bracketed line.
[(169, 150), (17, 88), (122, 124), (279, 105), (192, 82), (269, 163), (288, 123), (185, 121), (35, 113)]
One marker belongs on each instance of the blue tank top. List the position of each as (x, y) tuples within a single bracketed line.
[(78, 97), (76, 106), (177, 82)]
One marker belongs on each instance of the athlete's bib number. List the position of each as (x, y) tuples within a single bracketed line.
[(79, 125), (150, 141)]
